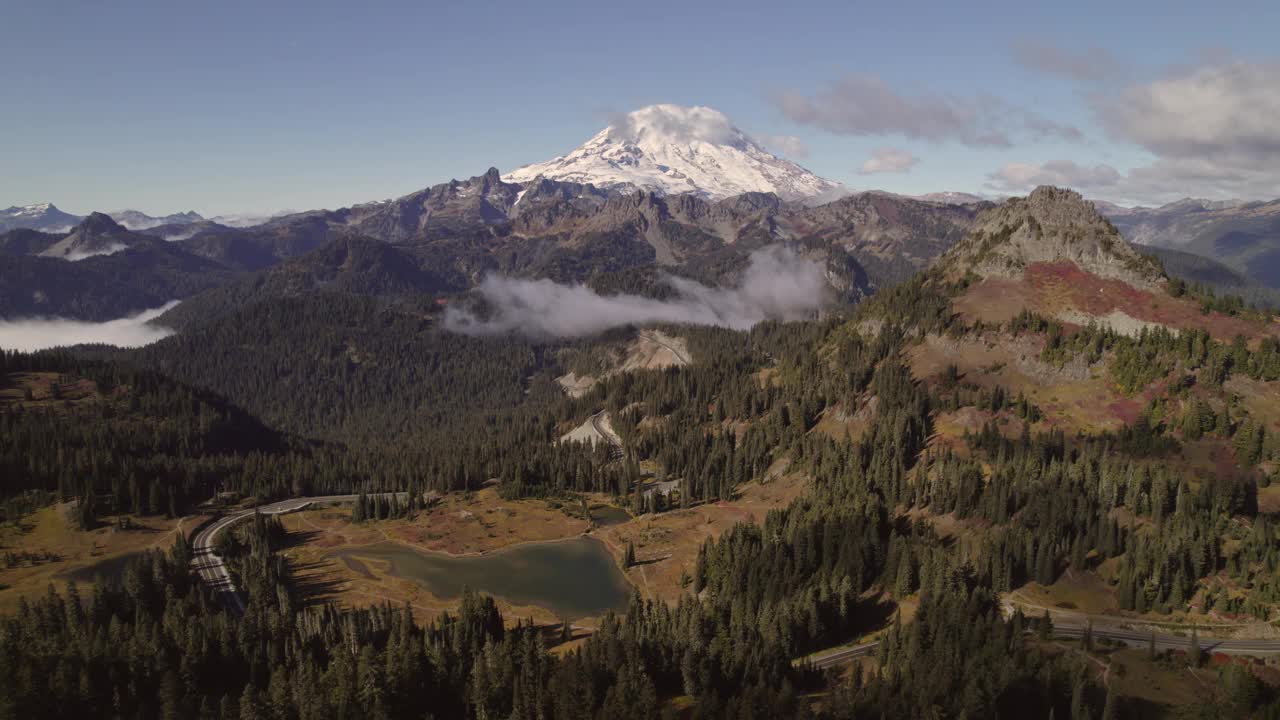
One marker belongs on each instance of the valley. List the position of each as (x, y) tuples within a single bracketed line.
[(1026, 437), (639, 361)]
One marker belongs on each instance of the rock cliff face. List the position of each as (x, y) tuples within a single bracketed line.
[(1050, 225)]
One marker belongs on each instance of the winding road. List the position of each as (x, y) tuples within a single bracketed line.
[(657, 339), (1132, 638), (213, 571), (210, 567), (615, 447)]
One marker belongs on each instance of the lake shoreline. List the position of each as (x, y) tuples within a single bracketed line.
[(583, 579)]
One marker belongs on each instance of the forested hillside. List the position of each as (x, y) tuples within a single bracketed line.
[(1011, 424)]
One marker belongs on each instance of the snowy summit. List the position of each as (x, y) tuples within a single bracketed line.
[(672, 149), (40, 216)]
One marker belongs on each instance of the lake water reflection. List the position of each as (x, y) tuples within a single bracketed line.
[(572, 578)]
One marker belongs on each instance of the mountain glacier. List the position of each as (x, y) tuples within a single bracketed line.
[(671, 149)]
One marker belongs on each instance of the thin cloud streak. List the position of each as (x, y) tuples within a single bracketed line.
[(861, 104)]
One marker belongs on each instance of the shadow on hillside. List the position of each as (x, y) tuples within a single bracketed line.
[(295, 538), (315, 583)]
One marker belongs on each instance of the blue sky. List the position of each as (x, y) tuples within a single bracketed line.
[(235, 107)]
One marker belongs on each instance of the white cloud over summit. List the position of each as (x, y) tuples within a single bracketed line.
[(673, 122)]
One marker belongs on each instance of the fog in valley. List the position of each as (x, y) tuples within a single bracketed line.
[(778, 284), (32, 334)]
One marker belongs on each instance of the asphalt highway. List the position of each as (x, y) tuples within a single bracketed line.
[(210, 567), (1132, 638)]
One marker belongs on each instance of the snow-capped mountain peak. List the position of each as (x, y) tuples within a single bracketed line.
[(36, 209), (673, 149), (39, 216)]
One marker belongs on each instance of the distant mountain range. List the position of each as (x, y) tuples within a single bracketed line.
[(42, 216), (952, 198), (662, 191), (135, 220), (98, 271), (48, 218), (446, 238), (1245, 236)]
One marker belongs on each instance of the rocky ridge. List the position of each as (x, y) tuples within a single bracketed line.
[(1049, 225)]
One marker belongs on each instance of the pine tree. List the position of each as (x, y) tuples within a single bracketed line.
[(250, 709), (1078, 709), (1109, 709), (361, 510)]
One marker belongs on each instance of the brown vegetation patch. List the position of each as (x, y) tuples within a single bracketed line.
[(1261, 399), (1077, 590), (838, 424), (458, 524), (667, 543), (1063, 284), (1168, 683), (48, 390), (1269, 499), (1052, 289), (50, 530), (1072, 398), (994, 300)]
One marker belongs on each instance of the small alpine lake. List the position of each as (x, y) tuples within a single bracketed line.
[(572, 578)]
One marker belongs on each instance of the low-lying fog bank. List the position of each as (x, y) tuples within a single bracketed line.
[(777, 285), (32, 334)]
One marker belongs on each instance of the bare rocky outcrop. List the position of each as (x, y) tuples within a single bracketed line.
[(1050, 225), (97, 234), (1117, 320), (650, 350)]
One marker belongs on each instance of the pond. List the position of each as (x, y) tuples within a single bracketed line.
[(571, 578), (606, 515)]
